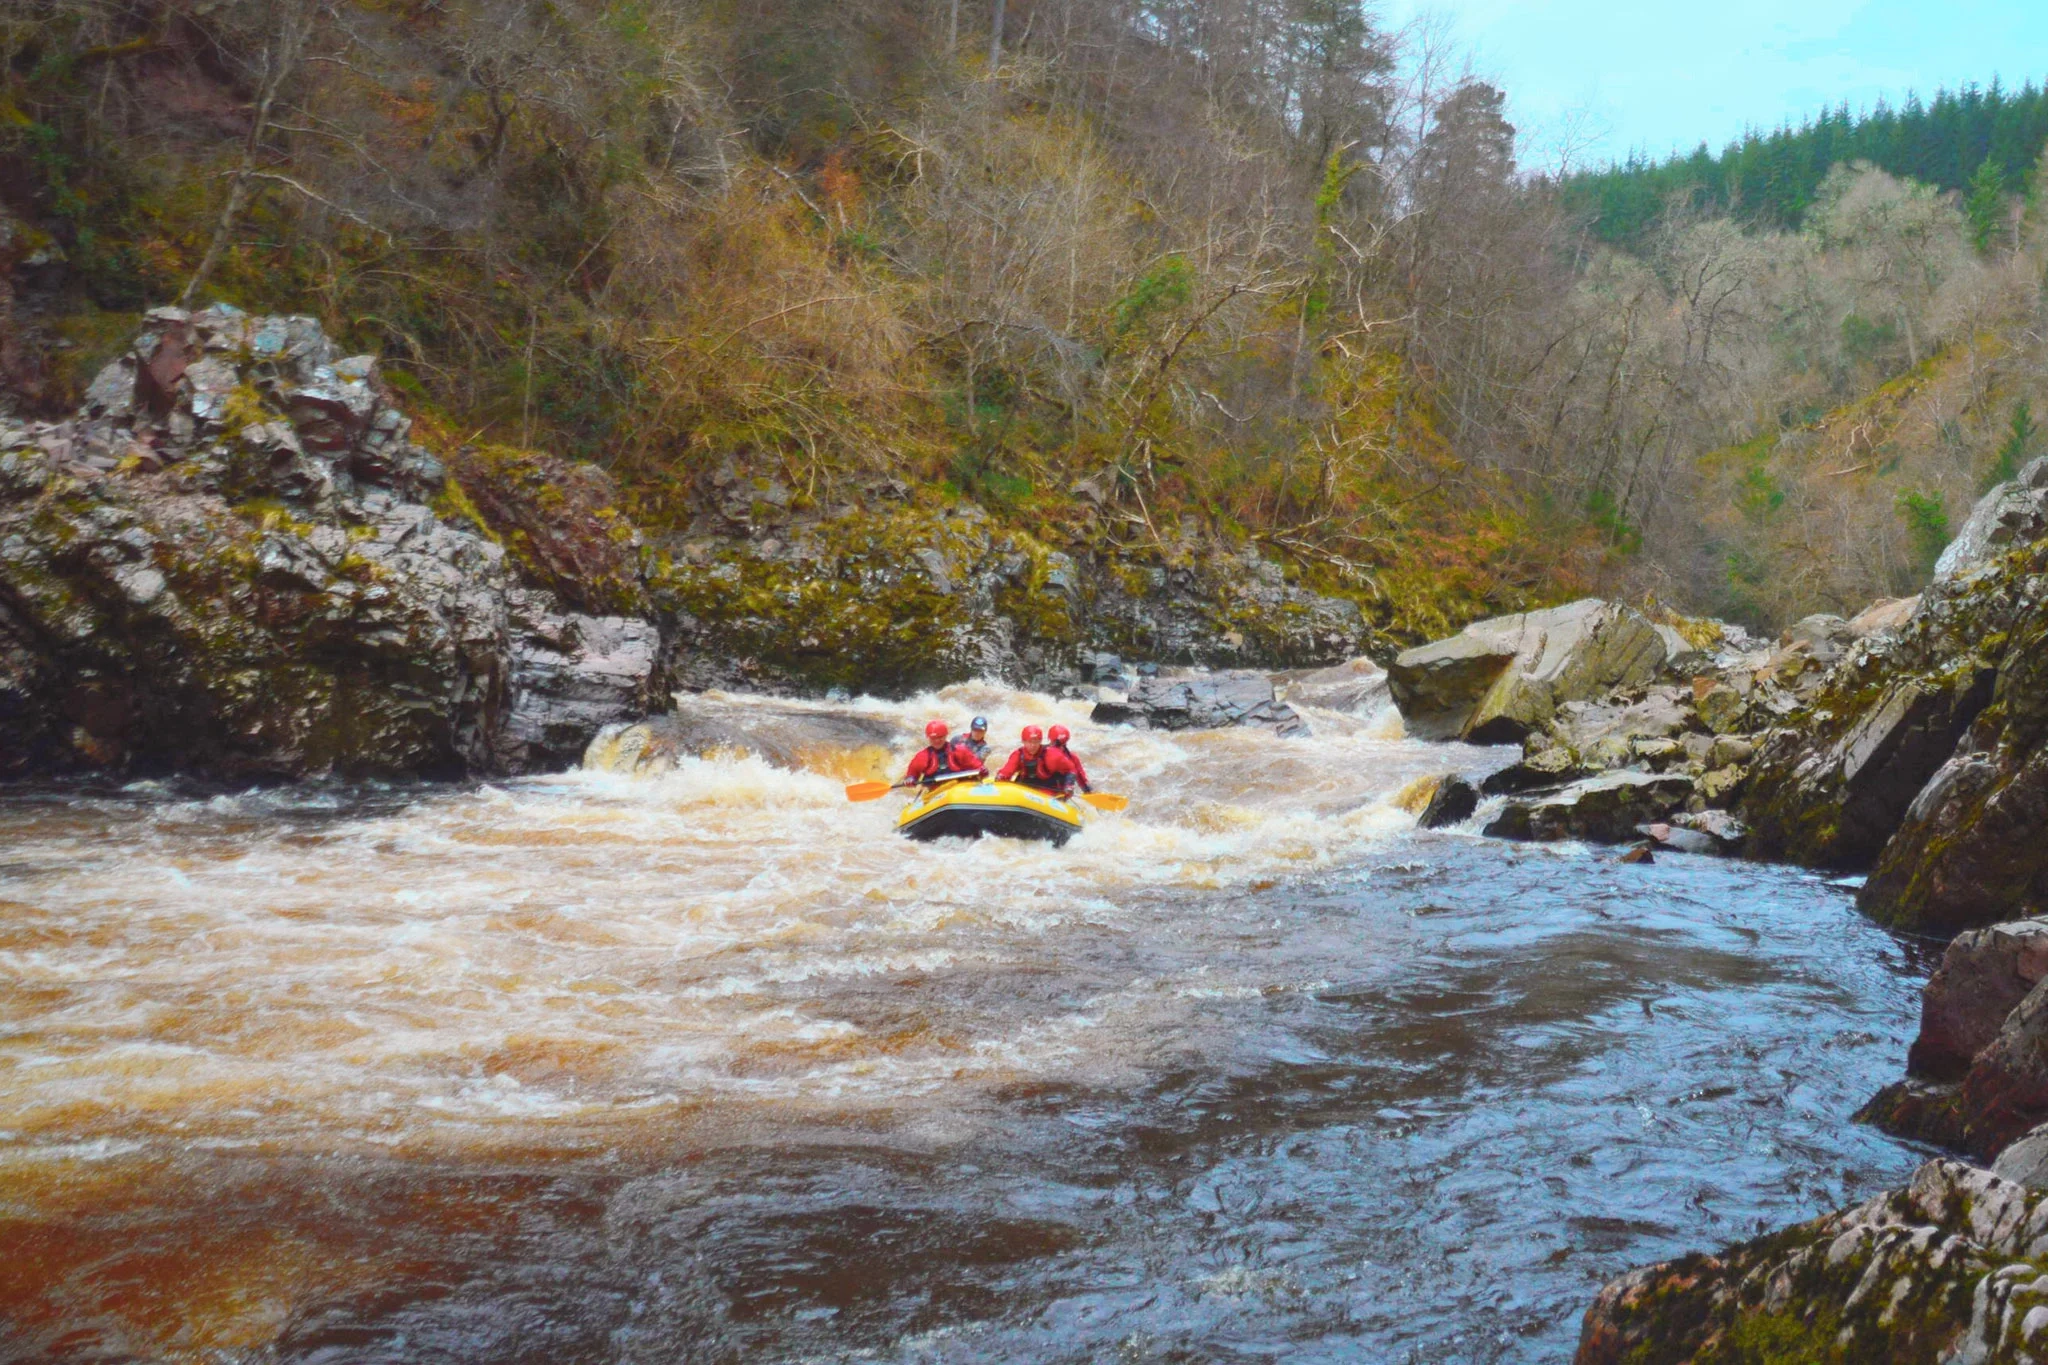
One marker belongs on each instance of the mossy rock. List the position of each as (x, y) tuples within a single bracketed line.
[(559, 520)]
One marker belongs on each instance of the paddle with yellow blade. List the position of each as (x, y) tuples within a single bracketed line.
[(1105, 801)]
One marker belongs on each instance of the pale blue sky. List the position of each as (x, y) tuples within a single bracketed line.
[(1659, 75)]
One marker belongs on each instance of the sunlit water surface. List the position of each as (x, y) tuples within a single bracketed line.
[(713, 1067)]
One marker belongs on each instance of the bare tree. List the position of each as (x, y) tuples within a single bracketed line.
[(276, 65)]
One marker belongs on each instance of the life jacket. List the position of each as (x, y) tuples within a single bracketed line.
[(1080, 772), (1039, 772), (939, 760)]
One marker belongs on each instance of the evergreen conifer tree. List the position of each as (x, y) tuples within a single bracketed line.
[(1985, 206)]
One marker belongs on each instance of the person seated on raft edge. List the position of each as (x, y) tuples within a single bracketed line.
[(977, 738), (938, 758), (1057, 737), (1041, 766)]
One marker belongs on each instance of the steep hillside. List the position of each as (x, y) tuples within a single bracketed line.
[(830, 256)]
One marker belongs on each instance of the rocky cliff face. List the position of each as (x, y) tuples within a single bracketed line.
[(1912, 741), (234, 561), (1924, 752), (906, 595), (1977, 1076)]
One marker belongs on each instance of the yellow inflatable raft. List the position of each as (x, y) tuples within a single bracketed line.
[(1008, 810)]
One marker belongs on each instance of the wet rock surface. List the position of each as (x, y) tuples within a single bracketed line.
[(228, 563), (1357, 687), (1454, 801), (1607, 809), (1954, 1267), (1210, 701), (1984, 974), (790, 735)]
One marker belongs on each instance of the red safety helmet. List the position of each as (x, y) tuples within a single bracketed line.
[(1060, 734), (935, 730), (1033, 735)]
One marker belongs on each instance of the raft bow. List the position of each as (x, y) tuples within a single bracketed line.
[(1008, 810)]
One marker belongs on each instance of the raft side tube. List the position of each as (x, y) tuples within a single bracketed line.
[(1006, 810)]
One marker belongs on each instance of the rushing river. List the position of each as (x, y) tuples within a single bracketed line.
[(712, 1067)]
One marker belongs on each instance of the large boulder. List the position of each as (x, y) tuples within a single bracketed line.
[(847, 743), (1978, 1072), (2013, 513), (1357, 687), (1605, 809), (1498, 680), (1983, 976), (231, 562), (1838, 775), (1203, 701), (2005, 1092), (1947, 1269), (1453, 801)]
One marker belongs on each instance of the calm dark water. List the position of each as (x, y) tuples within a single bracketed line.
[(304, 1077)]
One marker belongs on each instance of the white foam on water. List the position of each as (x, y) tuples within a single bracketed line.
[(540, 952)]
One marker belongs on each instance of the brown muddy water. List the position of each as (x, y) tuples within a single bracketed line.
[(712, 1067)]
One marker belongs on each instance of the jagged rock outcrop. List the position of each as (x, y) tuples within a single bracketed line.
[(1358, 686), (562, 524), (1926, 753), (901, 596), (848, 744), (1952, 1268), (1977, 1074), (1202, 701), (1830, 788), (1978, 1079), (1607, 809), (229, 562), (1983, 976), (2013, 513), (1500, 679)]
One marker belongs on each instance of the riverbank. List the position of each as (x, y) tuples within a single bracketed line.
[(1905, 744)]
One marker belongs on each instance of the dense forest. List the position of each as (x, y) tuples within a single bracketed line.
[(1250, 269), (1980, 143)]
